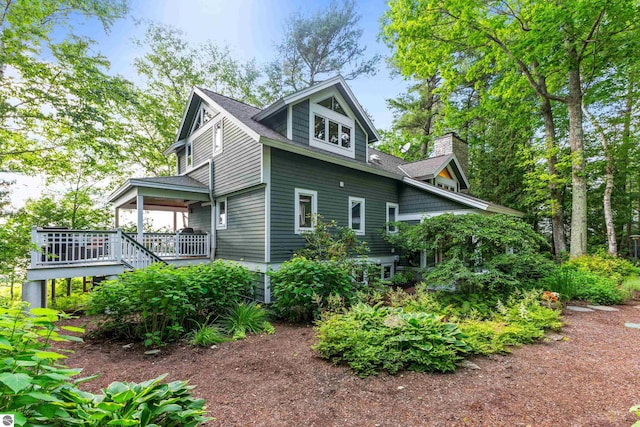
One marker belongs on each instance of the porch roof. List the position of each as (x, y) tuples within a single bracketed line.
[(161, 193)]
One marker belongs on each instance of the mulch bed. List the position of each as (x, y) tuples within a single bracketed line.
[(589, 378)]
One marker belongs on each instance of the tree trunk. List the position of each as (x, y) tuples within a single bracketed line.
[(609, 183), (557, 200), (578, 176)]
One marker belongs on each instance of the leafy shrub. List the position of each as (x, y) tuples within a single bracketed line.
[(245, 318), (454, 275), (76, 302), (525, 268), (604, 265), (583, 285), (160, 303), (302, 286), (39, 390), (372, 339)]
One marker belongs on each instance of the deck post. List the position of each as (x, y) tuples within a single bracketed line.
[(35, 293), (118, 245), (140, 207)]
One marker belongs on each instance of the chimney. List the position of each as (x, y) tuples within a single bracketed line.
[(450, 143)]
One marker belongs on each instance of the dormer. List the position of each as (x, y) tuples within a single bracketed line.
[(326, 117)]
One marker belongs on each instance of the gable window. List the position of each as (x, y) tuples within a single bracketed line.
[(217, 137), (203, 115), (392, 216), (306, 209), (332, 104), (221, 214), (356, 215), (331, 132)]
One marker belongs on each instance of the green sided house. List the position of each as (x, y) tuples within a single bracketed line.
[(251, 180)]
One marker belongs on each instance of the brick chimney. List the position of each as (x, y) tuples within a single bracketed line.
[(450, 143)]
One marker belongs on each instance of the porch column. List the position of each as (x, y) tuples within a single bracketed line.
[(140, 206), (117, 217), (35, 293)]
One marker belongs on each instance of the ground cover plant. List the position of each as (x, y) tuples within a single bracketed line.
[(38, 389), (161, 304)]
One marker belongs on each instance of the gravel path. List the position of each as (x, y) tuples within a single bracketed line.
[(591, 377)]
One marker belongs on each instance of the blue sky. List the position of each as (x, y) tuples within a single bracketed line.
[(251, 28)]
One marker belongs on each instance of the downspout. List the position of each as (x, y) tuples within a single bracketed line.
[(214, 209)]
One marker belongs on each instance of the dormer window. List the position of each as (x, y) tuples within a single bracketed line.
[(332, 104), (332, 126)]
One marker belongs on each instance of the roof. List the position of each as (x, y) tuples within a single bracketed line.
[(180, 183), (427, 168), (181, 180)]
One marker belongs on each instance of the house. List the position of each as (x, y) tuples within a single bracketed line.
[(252, 179)]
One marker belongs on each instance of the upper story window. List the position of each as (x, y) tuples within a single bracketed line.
[(446, 181), (217, 137), (306, 210), (332, 125), (356, 215), (221, 214), (332, 104), (188, 151)]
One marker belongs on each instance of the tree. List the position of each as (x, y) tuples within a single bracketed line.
[(557, 48), (325, 43), (54, 95)]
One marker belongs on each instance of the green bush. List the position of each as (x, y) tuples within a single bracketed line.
[(605, 265), (301, 287), (76, 302), (245, 318), (206, 335), (580, 284), (160, 303), (526, 268), (39, 390), (454, 275), (372, 339)]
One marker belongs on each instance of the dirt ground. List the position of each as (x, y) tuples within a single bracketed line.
[(591, 377)]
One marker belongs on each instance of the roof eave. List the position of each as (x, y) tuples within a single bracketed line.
[(131, 183)]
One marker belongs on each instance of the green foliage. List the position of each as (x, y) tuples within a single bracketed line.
[(205, 335), (526, 268), (371, 339), (330, 242), (302, 286), (76, 302), (159, 304), (453, 274), (583, 285), (604, 265), (246, 317), (636, 409)]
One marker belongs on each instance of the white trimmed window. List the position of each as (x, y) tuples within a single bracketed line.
[(332, 125), (392, 216), (203, 115), (221, 214), (188, 152), (306, 210), (356, 215), (387, 271), (217, 137)]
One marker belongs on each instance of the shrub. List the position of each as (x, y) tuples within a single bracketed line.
[(583, 285), (206, 335), (372, 339), (604, 265), (76, 302), (245, 318), (526, 268), (454, 275), (302, 286), (160, 303)]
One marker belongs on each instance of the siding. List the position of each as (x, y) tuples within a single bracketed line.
[(182, 161), (361, 145), (278, 122), (202, 146), (258, 287), (243, 239), (200, 217), (290, 171), (300, 124), (201, 174), (413, 200), (239, 164)]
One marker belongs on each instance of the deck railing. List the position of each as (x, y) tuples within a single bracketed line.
[(55, 247)]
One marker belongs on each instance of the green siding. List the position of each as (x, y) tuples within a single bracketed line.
[(182, 161), (413, 200), (290, 171), (278, 122), (200, 217), (202, 146), (239, 164), (300, 123), (243, 239), (201, 174), (361, 145)]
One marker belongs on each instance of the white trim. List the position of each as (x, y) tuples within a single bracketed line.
[(391, 273), (222, 225), (397, 207), (184, 114), (266, 178), (215, 152), (362, 230), (195, 168), (327, 114), (253, 134), (290, 122), (200, 115), (127, 186), (314, 209), (476, 203), (422, 215)]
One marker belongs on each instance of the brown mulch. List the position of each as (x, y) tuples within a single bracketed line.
[(589, 378)]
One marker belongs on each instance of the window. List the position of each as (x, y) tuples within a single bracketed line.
[(188, 150), (221, 214), (331, 132), (332, 104), (306, 209), (203, 115), (356, 215), (217, 138), (392, 216), (386, 271)]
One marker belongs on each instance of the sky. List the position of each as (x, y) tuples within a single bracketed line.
[(250, 28)]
